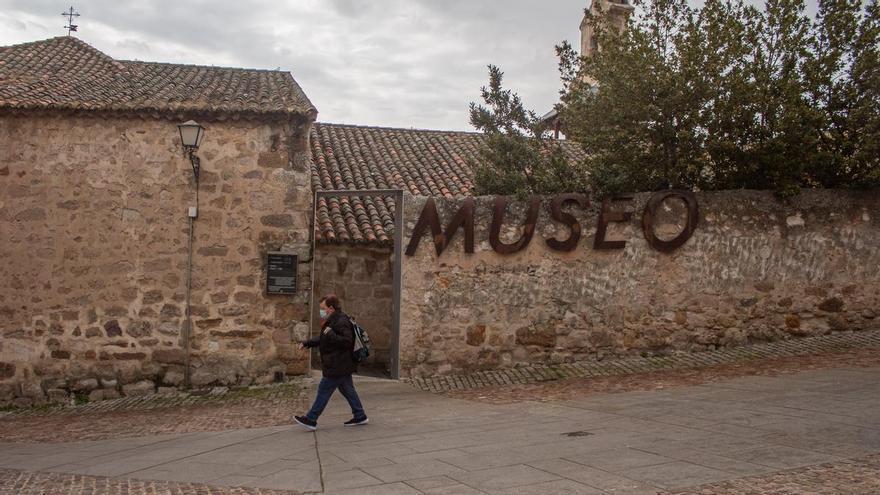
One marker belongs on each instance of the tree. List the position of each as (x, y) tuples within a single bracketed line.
[(519, 158), (864, 116), (726, 96), (641, 124), (844, 75), (707, 99), (781, 147)]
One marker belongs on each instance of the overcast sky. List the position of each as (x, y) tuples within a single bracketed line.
[(398, 63)]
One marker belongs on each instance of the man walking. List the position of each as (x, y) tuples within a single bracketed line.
[(335, 343)]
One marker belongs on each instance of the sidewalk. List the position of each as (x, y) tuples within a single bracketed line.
[(741, 432)]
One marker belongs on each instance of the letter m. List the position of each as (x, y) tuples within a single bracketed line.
[(429, 218)]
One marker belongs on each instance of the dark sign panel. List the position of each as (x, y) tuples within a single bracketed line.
[(281, 273)]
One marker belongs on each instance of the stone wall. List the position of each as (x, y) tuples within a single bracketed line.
[(756, 269), (361, 277), (93, 254)]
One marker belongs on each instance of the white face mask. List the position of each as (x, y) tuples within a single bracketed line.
[(323, 313)]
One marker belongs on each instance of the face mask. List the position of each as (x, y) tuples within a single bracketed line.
[(323, 313)]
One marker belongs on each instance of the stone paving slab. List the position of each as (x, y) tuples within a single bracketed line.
[(640, 364), (499, 478), (675, 474), (417, 442), (859, 476)]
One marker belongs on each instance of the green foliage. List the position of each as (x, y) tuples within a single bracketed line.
[(726, 96), (844, 85), (519, 158)]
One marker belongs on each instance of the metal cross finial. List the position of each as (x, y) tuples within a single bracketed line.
[(70, 27)]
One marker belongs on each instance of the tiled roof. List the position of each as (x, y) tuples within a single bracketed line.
[(421, 162), (65, 73)]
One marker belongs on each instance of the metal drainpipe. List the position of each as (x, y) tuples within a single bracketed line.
[(187, 329), (314, 227)]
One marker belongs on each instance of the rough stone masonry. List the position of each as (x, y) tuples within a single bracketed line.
[(755, 269), (94, 252)]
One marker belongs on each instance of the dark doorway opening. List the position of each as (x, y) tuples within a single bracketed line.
[(362, 278), (367, 279)]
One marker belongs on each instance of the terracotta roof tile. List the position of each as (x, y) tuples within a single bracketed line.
[(421, 162), (66, 73)]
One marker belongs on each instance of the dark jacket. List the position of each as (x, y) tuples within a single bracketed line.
[(335, 346)]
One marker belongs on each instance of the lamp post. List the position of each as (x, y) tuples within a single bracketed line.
[(191, 134)]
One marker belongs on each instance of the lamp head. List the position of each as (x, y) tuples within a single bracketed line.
[(191, 134)]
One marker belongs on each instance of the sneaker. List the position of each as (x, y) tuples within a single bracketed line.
[(356, 422), (306, 423)]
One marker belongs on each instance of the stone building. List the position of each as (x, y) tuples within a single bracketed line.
[(94, 197)]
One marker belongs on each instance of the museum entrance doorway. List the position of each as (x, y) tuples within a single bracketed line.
[(365, 276)]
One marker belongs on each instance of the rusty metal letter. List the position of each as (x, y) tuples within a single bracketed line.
[(606, 215), (560, 216), (528, 228), (693, 215), (429, 218), (464, 217)]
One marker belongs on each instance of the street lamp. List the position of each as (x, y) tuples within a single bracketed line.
[(191, 134)]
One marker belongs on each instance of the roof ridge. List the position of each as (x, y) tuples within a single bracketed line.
[(416, 129), (125, 61), (37, 42), (69, 39), (200, 66), (407, 129)]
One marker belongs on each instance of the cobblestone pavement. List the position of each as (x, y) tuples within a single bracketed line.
[(851, 477), (27, 483), (202, 397), (571, 388), (639, 364), (155, 414)]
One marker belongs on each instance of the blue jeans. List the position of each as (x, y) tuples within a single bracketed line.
[(328, 385)]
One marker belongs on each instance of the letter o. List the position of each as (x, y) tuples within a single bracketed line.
[(693, 215)]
